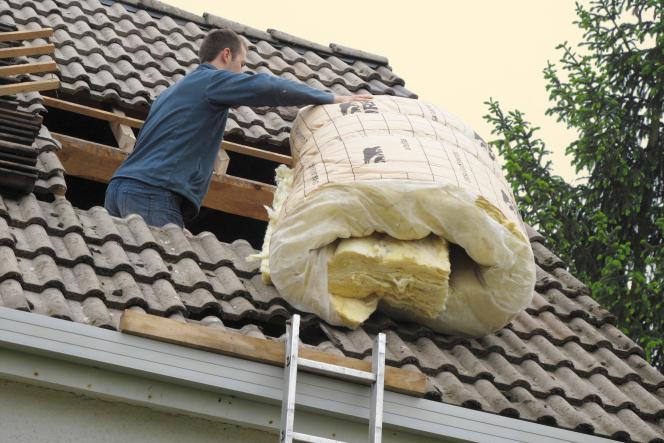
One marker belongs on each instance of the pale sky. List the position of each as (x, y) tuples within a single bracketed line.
[(455, 54)]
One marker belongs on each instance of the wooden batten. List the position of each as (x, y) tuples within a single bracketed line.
[(98, 162), (28, 50), (28, 68), (99, 114), (25, 35), (37, 85), (256, 349), (137, 123), (123, 133), (258, 153)]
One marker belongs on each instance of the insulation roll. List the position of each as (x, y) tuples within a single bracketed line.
[(394, 204)]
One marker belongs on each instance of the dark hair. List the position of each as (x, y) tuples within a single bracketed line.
[(216, 41)]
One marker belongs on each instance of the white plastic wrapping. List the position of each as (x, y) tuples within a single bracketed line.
[(407, 169)]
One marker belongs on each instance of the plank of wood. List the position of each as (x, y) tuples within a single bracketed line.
[(27, 50), (91, 112), (256, 349), (240, 196), (98, 162), (25, 35), (124, 135), (37, 85), (28, 68), (221, 162), (259, 153), (136, 123)]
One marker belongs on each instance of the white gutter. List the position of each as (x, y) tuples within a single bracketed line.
[(111, 365)]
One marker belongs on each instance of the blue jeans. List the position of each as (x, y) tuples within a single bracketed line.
[(156, 205)]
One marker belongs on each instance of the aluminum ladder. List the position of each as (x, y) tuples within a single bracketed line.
[(376, 378)]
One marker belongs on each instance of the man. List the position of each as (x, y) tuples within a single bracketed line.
[(167, 175)]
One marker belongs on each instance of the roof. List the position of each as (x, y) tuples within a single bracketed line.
[(47, 174), (561, 362), (124, 53), (27, 152)]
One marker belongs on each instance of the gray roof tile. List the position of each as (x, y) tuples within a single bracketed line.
[(561, 362), (553, 364), (24, 136), (12, 295)]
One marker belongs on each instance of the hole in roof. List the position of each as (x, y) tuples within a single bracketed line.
[(84, 194)]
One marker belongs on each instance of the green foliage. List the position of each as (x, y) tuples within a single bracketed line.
[(610, 228)]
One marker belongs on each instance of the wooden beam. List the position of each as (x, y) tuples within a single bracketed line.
[(221, 162), (38, 85), (27, 50), (25, 35), (256, 349), (230, 194), (259, 153), (239, 196), (136, 123), (91, 112), (123, 134), (28, 68)]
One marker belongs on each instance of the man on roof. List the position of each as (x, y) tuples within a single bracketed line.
[(169, 171)]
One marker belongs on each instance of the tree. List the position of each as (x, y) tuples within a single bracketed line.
[(610, 227)]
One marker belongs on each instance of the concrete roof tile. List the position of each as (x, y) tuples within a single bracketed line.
[(546, 365), (560, 362)]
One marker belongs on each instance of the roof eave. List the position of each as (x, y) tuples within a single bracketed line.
[(102, 363)]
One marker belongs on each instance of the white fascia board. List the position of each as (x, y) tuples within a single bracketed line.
[(325, 406)]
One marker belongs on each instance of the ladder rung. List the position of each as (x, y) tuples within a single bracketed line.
[(312, 438), (337, 371)]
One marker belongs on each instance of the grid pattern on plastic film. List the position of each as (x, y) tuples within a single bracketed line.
[(393, 139), (561, 362)]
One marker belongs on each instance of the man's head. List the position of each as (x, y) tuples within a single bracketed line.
[(224, 49)]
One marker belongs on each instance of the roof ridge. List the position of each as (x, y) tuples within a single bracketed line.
[(165, 8), (221, 22), (358, 53), (211, 20), (297, 41)]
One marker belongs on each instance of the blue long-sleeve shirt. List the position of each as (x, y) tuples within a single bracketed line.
[(179, 141)]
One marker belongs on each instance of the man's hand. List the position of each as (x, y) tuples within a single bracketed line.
[(352, 98)]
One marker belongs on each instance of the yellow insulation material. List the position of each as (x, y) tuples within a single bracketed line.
[(396, 205), (406, 274)]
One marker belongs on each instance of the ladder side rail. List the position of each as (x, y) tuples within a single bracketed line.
[(377, 389), (290, 379)]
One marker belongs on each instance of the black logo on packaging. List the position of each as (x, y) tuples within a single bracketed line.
[(508, 200), (353, 107), (485, 146), (373, 155)]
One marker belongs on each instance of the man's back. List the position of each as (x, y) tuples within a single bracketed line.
[(178, 144)]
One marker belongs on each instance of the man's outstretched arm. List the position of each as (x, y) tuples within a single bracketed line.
[(229, 89)]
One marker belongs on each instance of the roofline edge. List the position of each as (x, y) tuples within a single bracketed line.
[(78, 348)]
